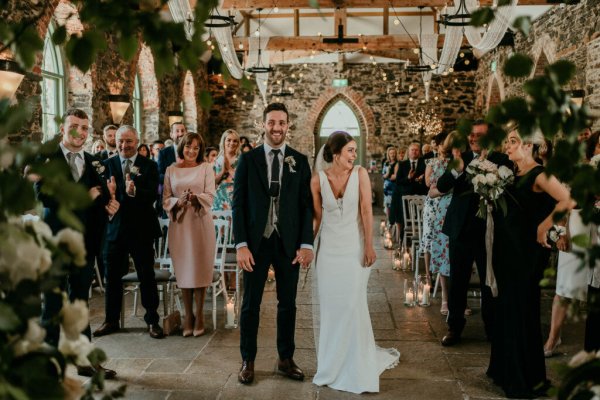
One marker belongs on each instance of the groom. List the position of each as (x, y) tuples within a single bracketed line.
[(272, 225)]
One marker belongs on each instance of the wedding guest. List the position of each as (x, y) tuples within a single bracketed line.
[(571, 280), (389, 179), (131, 232), (427, 151), (466, 234), (435, 142), (83, 169), (108, 134), (517, 360), (168, 155), (434, 243), (210, 154), (245, 141), (246, 148), (225, 165), (188, 195), (144, 150), (401, 153), (410, 180), (157, 146), (98, 146)]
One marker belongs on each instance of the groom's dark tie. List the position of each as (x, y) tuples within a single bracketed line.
[(274, 187)]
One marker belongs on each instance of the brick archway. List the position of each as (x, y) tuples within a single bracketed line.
[(495, 90), (358, 105), (544, 53)]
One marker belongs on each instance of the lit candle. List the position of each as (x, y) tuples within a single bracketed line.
[(406, 261), (397, 263), (425, 298), (271, 275), (230, 314), (410, 297)]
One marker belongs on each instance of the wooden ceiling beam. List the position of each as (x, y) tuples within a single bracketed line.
[(348, 14), (268, 4), (372, 42), (340, 18)]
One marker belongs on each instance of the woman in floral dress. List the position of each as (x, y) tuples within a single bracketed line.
[(229, 151), (436, 204)]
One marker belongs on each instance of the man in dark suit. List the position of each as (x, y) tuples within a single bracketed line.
[(168, 155), (84, 169), (108, 133), (466, 234), (131, 231), (272, 225), (410, 180)]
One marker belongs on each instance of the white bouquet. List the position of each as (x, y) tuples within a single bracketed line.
[(489, 182)]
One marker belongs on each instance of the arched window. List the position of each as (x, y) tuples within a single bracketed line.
[(53, 87), (137, 105), (340, 117)]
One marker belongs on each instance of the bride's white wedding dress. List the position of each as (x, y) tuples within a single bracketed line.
[(347, 357)]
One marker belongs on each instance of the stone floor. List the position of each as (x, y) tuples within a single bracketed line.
[(206, 367)]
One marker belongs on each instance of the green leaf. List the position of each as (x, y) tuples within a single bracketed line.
[(14, 392), (518, 65), (482, 16), (205, 99), (561, 71), (128, 46), (60, 35), (523, 24), (582, 240), (9, 321)]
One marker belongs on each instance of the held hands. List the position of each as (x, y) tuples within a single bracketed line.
[(129, 185), (370, 256), (244, 259), (304, 257)]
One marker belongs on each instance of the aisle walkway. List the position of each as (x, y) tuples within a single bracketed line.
[(206, 367)]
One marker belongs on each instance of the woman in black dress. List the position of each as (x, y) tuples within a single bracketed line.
[(517, 358)]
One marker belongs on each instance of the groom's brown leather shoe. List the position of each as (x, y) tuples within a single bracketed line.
[(106, 329), (246, 375), (289, 368)]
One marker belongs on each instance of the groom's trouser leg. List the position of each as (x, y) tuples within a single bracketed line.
[(286, 280), (461, 265), (254, 285)]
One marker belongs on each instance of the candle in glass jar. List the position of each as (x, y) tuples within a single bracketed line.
[(397, 263), (406, 261), (230, 314), (425, 296), (410, 297)]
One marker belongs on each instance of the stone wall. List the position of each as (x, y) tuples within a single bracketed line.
[(382, 116), (569, 32)]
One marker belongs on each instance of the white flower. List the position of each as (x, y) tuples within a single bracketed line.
[(134, 171), (75, 318), (20, 256), (6, 159), (291, 162), (33, 339), (79, 349), (595, 161), (581, 358), (73, 241), (491, 179), (478, 180), (504, 172), (99, 167), (41, 230)]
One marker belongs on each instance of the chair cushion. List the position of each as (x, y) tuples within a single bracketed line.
[(161, 275)]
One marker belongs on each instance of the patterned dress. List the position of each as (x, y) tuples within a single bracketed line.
[(434, 212), (224, 194)]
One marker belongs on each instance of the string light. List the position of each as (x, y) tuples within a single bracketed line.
[(396, 22), (276, 10), (423, 121), (241, 46)]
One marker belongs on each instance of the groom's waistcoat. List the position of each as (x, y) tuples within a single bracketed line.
[(251, 200)]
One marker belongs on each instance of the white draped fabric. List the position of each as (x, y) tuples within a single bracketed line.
[(224, 39), (486, 40), (429, 57), (261, 79)]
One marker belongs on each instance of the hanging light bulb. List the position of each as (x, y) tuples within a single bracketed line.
[(305, 65), (243, 102), (416, 51), (224, 86), (234, 96), (319, 34), (445, 91), (396, 22), (209, 42), (241, 46), (225, 49), (212, 47), (364, 48), (455, 80), (450, 69), (257, 33), (300, 75), (276, 9), (461, 55), (293, 76), (371, 58), (422, 101), (435, 98), (410, 99), (467, 62), (397, 83)]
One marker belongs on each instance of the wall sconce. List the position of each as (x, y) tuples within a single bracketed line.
[(577, 96), (11, 76), (119, 103), (175, 117)]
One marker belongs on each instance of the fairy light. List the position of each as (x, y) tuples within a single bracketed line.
[(396, 22), (425, 121)]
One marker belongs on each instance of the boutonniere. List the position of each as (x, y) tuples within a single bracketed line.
[(134, 171), (98, 167), (291, 162)]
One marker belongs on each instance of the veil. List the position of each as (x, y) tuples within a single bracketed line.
[(320, 163)]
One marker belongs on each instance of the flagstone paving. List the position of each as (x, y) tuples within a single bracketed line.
[(206, 367)]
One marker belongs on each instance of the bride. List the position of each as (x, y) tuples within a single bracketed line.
[(347, 357)]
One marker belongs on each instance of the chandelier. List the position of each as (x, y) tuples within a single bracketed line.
[(424, 123), (283, 91), (259, 68)]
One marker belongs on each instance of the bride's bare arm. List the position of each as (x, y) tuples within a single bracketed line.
[(366, 213), (315, 188)]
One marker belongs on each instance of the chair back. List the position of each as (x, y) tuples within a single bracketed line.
[(161, 251), (222, 233), (226, 215), (416, 205)]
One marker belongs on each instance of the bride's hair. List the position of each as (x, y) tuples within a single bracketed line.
[(336, 142)]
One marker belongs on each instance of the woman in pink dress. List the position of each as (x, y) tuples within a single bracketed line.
[(188, 195)]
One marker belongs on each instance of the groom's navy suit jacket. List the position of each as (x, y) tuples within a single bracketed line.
[(251, 201)]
